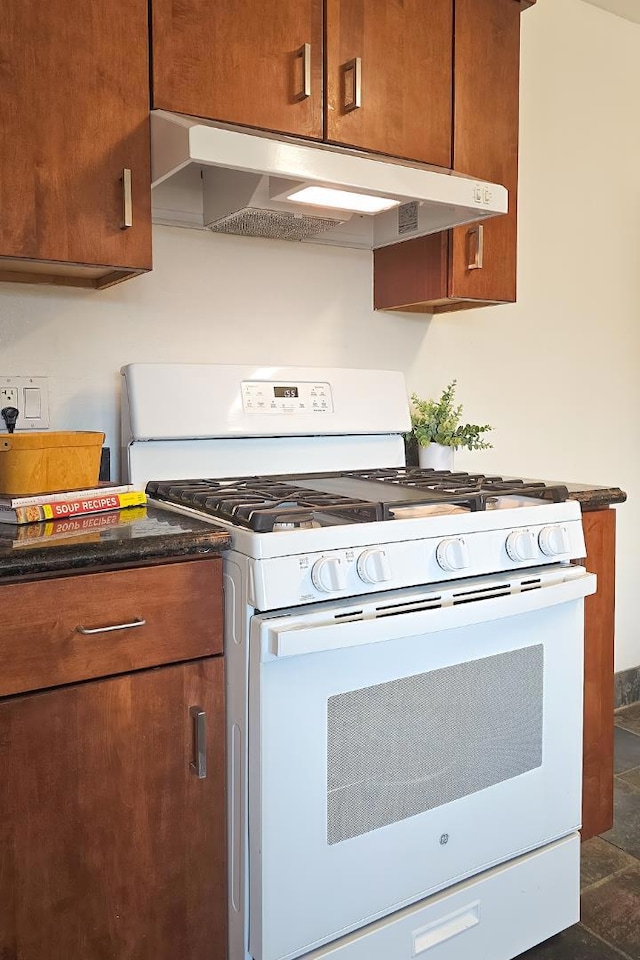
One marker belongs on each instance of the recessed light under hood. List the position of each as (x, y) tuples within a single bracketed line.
[(230, 181)]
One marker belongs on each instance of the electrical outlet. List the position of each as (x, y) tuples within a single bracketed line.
[(30, 395), (8, 397)]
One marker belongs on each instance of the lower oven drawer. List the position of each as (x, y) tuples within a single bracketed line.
[(496, 916)]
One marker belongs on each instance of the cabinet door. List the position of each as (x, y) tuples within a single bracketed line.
[(389, 77), (473, 265), (110, 844), (241, 61), (485, 143), (74, 115)]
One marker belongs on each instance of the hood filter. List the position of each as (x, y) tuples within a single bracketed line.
[(273, 224)]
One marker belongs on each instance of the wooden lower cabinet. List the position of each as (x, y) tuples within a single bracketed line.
[(597, 792), (111, 846)]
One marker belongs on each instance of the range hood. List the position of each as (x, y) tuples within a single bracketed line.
[(253, 184)]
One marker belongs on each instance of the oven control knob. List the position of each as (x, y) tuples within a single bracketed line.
[(522, 545), (373, 566), (554, 541), (328, 575), (452, 554)]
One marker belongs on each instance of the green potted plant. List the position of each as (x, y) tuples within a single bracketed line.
[(438, 429)]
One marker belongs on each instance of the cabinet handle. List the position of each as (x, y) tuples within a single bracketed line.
[(353, 66), (127, 203), (199, 762), (477, 231), (304, 54), (88, 631)]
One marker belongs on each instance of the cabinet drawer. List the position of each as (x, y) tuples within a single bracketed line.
[(55, 631)]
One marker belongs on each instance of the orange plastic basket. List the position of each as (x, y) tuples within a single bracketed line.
[(46, 462)]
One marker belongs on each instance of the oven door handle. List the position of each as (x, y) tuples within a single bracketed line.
[(286, 639)]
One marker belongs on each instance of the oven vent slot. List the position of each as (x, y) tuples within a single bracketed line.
[(409, 608), (349, 615), (436, 601), (481, 590), (473, 596), (407, 605)]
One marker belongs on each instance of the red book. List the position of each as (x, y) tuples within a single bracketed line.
[(97, 502)]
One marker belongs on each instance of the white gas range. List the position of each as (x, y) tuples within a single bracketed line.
[(404, 668)]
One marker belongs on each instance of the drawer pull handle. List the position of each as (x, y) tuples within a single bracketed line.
[(88, 631), (199, 762)]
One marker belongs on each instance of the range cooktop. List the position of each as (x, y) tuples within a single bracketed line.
[(303, 501)]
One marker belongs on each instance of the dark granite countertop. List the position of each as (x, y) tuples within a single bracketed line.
[(595, 498), (121, 538), (590, 496)]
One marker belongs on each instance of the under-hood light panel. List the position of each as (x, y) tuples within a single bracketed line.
[(342, 200)]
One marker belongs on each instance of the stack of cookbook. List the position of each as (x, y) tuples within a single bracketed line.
[(49, 516)]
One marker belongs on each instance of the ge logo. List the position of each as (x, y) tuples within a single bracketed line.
[(444, 839)]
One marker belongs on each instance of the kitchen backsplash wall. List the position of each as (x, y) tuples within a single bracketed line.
[(210, 298), (556, 373)]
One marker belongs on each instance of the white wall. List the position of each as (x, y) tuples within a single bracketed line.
[(555, 373)]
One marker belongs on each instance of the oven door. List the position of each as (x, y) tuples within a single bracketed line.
[(400, 743)]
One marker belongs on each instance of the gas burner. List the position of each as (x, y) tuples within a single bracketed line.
[(306, 501)]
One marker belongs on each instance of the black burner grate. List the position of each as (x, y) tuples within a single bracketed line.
[(271, 503)]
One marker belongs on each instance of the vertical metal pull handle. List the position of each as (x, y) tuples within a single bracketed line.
[(355, 67), (199, 761), (127, 202), (304, 54), (477, 231)]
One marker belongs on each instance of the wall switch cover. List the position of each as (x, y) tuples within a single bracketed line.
[(31, 397)]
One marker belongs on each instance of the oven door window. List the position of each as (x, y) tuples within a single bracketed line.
[(383, 771), (401, 748)]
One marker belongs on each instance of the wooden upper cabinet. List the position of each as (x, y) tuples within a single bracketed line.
[(471, 265), (74, 116), (241, 62), (264, 65), (486, 113), (389, 77)]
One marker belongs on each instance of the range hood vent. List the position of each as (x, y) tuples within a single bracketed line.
[(230, 181)]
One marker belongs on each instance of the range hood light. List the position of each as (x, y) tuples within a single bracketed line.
[(342, 200)]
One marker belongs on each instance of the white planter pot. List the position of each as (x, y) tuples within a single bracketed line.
[(436, 456)]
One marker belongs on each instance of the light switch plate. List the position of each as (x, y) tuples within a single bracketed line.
[(31, 396)]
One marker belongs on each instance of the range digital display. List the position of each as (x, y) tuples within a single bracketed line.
[(288, 392)]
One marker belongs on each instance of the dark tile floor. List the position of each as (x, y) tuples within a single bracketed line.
[(610, 913)]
